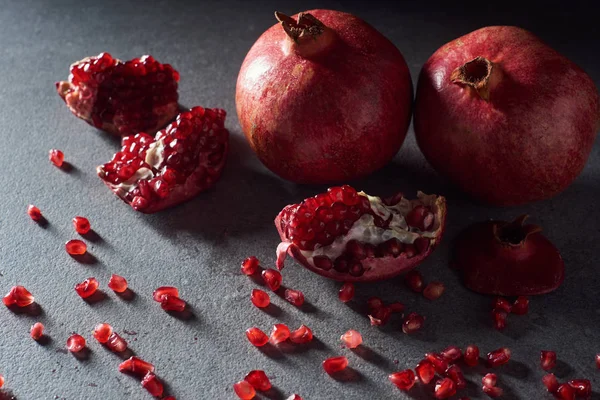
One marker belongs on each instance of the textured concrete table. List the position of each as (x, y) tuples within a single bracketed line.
[(199, 245)]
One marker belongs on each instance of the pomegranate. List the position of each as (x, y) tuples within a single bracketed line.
[(404, 380), (323, 97), (508, 259), (335, 364), (119, 97), (184, 159), (350, 236)]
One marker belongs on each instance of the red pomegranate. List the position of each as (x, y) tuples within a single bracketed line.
[(504, 116), (350, 236), (324, 97)]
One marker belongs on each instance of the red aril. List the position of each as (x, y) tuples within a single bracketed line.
[(374, 304), (520, 306), (294, 297), (598, 361), (272, 278), (76, 247), (81, 225), (489, 380), (565, 392), (301, 335), (162, 291), (136, 366), (498, 357), (396, 307), (439, 363), (117, 283), (87, 288), (493, 391), (259, 380), (352, 339), (550, 382), (582, 387), (56, 157), (451, 354), (425, 371), (257, 337), (501, 304), (294, 397), (102, 332), (404, 380), (412, 323), (250, 265), (433, 290), (380, 316), (260, 298), (244, 390), (499, 319), (335, 364), (346, 292), (414, 280), (37, 331), (455, 373), (116, 343), (444, 388), (152, 384), (34, 213), (75, 343), (18, 296), (172, 303), (279, 334), (548, 360), (471, 356), (1, 381)]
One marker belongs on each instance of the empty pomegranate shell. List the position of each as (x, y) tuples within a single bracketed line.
[(508, 259), (350, 236)]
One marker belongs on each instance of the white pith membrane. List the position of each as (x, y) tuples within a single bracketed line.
[(154, 158)]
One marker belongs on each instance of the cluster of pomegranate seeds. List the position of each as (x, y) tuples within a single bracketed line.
[(295, 297), (76, 247), (471, 355), (81, 225), (152, 384), (404, 380), (279, 334), (501, 307), (258, 380), (352, 339), (412, 323), (18, 296), (75, 343), (116, 343), (56, 157), (444, 388), (136, 366), (335, 364), (547, 360), (301, 335), (489, 387), (581, 388), (244, 390), (380, 313), (433, 290), (250, 265), (272, 278), (37, 331), (34, 213), (260, 298), (102, 332), (257, 337), (498, 357), (414, 280), (117, 283), (425, 371), (168, 297), (346, 292), (87, 288)]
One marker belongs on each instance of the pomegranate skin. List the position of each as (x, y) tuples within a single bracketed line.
[(529, 140), (336, 114)]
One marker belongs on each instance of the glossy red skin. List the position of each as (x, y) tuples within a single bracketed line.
[(530, 141), (338, 117), (489, 267)]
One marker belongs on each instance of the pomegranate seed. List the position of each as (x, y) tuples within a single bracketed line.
[(75, 343), (250, 265), (455, 373), (500, 303), (56, 157), (451, 354), (346, 292), (471, 356), (404, 380), (583, 387), (499, 318), (380, 316), (301, 335), (1, 381), (272, 278), (87, 288), (414, 280), (550, 382), (260, 298), (520, 306), (116, 343), (158, 294), (81, 225), (445, 388), (425, 371), (598, 361), (335, 364), (412, 323), (433, 291), (439, 363), (259, 380), (374, 303), (76, 247), (294, 297), (172, 303), (117, 283), (279, 334), (493, 391), (565, 392), (18, 296), (244, 390), (257, 337), (152, 384), (37, 331), (548, 360), (137, 366), (102, 332), (352, 339), (498, 357), (294, 397), (489, 380), (34, 213)]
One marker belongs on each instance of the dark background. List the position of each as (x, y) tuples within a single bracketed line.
[(198, 246)]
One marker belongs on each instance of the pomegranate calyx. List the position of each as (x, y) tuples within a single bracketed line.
[(477, 74), (514, 233), (306, 25)]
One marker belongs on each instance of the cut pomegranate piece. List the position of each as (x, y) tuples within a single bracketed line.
[(550, 382), (508, 259), (244, 390), (152, 384), (380, 316), (81, 225), (362, 237), (439, 363), (414, 280), (56, 157), (565, 392), (257, 337), (162, 291), (172, 303), (117, 283), (259, 380), (301, 335), (520, 306), (34, 213), (499, 319), (294, 297), (335, 364), (433, 290), (501, 304), (352, 339), (425, 371), (18, 296), (404, 380), (445, 388), (75, 343), (121, 97), (451, 354), (279, 334), (583, 387), (136, 366), (116, 343), (548, 360), (250, 265), (493, 391), (272, 278), (489, 380), (184, 159), (455, 373), (412, 323), (102, 332), (346, 292), (498, 357), (260, 298), (87, 288), (471, 356), (76, 247), (37, 331)]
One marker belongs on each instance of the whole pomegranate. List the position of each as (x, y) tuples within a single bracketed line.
[(504, 116), (324, 97)]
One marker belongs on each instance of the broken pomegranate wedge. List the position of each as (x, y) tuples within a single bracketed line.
[(350, 236), (184, 159), (508, 259), (122, 98)]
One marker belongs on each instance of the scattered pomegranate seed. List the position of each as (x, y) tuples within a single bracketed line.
[(425, 371), (471, 356), (102, 332), (87, 288), (294, 397), (56, 157), (439, 363), (1, 381), (499, 318), (81, 225), (498, 357), (301, 335), (493, 391), (565, 392), (414, 280), (520, 306), (259, 380), (34, 213), (257, 337), (272, 278), (374, 304), (412, 323), (76, 247), (335, 364), (380, 316), (294, 297), (75, 343), (250, 265), (404, 380), (396, 307), (37, 331), (500, 303), (352, 339), (489, 380), (18, 296), (455, 373), (550, 382), (548, 360), (117, 283), (598, 361), (244, 390), (116, 343), (158, 294), (445, 388), (346, 292), (451, 354), (279, 334), (137, 366), (152, 384), (260, 298), (172, 303), (434, 290), (583, 387)]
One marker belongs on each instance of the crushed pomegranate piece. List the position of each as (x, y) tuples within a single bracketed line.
[(37, 331), (250, 265), (301, 335), (492, 391), (152, 384), (335, 364), (520, 306), (257, 337), (451, 354), (76, 247), (56, 157), (279, 334), (499, 319), (445, 388), (500, 303), (583, 387), (137, 366), (550, 382), (116, 343), (102, 332), (434, 290), (565, 392), (34, 213), (81, 225), (547, 360), (295, 297), (425, 371), (346, 292), (374, 304), (412, 323), (172, 303), (117, 283), (498, 357), (18, 296), (162, 291), (352, 339), (259, 380), (414, 280), (75, 343), (272, 278), (87, 288), (489, 380), (260, 298), (404, 380), (439, 363), (244, 390), (471, 356), (455, 373), (396, 307), (380, 316)]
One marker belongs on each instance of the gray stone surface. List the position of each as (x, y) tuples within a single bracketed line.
[(199, 245)]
